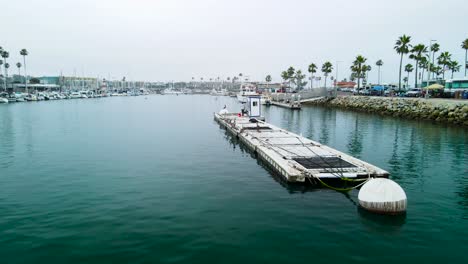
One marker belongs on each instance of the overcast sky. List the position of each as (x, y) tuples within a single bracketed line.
[(163, 40)]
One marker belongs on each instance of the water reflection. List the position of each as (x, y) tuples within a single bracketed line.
[(394, 161), (7, 137), (388, 224), (355, 140), (325, 118)]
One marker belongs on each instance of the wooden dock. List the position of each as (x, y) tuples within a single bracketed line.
[(294, 157), (292, 105)]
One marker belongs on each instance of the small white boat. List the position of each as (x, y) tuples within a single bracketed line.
[(83, 94), (221, 92), (30, 97), (246, 91), (3, 100), (265, 99), (170, 92)]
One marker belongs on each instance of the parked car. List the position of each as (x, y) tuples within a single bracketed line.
[(364, 92), (415, 92)]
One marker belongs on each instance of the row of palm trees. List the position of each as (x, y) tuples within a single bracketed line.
[(5, 55), (425, 59), (359, 71), (296, 77), (420, 53)]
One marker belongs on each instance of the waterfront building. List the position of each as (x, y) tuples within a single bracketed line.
[(457, 84)]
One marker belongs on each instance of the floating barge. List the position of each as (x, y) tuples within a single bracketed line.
[(294, 157)]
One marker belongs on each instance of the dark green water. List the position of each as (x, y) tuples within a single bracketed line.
[(129, 180)]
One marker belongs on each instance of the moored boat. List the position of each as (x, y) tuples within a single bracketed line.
[(246, 91)]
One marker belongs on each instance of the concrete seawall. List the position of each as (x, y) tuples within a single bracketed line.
[(439, 110)]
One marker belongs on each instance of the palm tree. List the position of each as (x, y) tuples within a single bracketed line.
[(25, 53), (297, 80), (402, 46), (327, 68), (417, 54), (284, 76), (290, 72), (405, 80), (444, 60), (5, 55), (312, 69), (7, 65), (268, 79), (358, 68), (435, 69), (465, 47), (434, 48), (1, 61), (379, 64), (454, 67), (408, 69), (18, 64), (423, 64)]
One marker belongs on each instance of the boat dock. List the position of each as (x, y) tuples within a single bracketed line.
[(296, 105), (294, 157)]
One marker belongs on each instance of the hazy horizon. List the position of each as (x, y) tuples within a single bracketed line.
[(177, 40)]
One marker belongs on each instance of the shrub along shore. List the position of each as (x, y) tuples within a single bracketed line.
[(444, 111)]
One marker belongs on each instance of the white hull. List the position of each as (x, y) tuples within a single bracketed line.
[(241, 98)]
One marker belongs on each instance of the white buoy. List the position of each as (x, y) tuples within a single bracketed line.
[(382, 196)]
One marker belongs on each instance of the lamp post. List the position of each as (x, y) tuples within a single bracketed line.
[(428, 68), (336, 77)]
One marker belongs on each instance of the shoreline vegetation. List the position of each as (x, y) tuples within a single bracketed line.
[(453, 112)]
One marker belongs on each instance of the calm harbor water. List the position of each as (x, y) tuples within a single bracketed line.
[(135, 180)]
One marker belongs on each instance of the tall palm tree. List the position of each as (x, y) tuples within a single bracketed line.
[(7, 65), (18, 64), (402, 47), (465, 47), (312, 69), (454, 67), (408, 69), (423, 64), (444, 60), (25, 53), (4, 86), (358, 68), (327, 68), (379, 64), (417, 54), (434, 48), (5, 55), (1, 61)]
